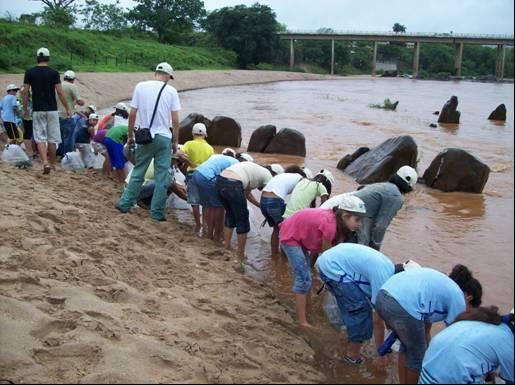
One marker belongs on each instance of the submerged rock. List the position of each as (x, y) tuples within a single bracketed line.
[(288, 142), (499, 113), (224, 131), (455, 169), (449, 113), (348, 159), (261, 138)]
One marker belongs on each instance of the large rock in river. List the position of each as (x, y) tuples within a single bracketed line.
[(224, 131), (187, 125), (288, 142), (383, 161), (261, 138), (449, 113), (348, 159), (499, 113), (457, 170)]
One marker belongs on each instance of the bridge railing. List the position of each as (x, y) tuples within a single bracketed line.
[(399, 34)]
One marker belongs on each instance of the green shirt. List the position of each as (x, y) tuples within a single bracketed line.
[(71, 93), (304, 193), (119, 134)]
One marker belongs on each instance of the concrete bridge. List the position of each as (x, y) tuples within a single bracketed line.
[(458, 40)]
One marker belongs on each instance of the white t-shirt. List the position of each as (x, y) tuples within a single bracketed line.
[(119, 121), (252, 175), (144, 99), (282, 185), (333, 202)]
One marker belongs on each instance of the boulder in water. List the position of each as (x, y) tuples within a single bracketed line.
[(288, 142), (499, 113), (382, 162), (449, 113), (187, 124), (261, 138), (224, 131), (455, 169), (348, 159)]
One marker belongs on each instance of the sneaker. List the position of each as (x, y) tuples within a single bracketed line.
[(352, 361)]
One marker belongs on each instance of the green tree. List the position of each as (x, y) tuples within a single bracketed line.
[(169, 19), (399, 28), (104, 17), (59, 13), (251, 32)]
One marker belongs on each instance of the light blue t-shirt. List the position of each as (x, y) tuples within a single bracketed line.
[(468, 350), (427, 295), (8, 105), (362, 265), (214, 166)]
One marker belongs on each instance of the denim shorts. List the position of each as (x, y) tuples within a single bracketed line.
[(411, 331), (193, 191), (207, 191), (273, 210), (300, 264), (355, 309), (115, 151), (232, 195)]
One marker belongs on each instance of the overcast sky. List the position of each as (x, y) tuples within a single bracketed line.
[(460, 16)]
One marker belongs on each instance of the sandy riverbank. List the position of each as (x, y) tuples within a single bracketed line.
[(88, 295), (106, 89)]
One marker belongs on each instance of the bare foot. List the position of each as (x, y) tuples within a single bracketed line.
[(307, 326)]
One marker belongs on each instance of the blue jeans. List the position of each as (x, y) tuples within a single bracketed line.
[(232, 195), (207, 191), (193, 191), (411, 331), (67, 145), (355, 309), (161, 151), (300, 264), (273, 210)]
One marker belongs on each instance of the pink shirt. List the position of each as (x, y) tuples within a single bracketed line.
[(308, 228)]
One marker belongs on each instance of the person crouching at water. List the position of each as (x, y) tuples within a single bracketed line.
[(307, 191), (478, 343), (383, 201), (354, 274), (83, 141), (114, 140), (273, 200), (204, 181), (197, 151), (411, 301), (234, 186), (119, 117), (315, 231)]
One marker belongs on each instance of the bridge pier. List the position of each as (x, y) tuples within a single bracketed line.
[(332, 57), (292, 55), (458, 61), (374, 59), (416, 58), (499, 66)]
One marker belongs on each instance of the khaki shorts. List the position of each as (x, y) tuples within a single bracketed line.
[(46, 127)]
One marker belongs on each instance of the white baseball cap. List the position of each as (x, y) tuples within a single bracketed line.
[(93, 116), (308, 172), (122, 106), (329, 175), (229, 151), (12, 87), (43, 52), (277, 168), (411, 265), (69, 75), (93, 108), (353, 204), (166, 68), (246, 157), (409, 175), (199, 129)]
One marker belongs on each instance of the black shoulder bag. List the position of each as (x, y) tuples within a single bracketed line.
[(144, 135)]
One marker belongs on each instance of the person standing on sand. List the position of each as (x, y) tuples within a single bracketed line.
[(44, 83), (66, 124), (144, 102)]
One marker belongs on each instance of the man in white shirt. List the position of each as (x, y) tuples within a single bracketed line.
[(160, 149)]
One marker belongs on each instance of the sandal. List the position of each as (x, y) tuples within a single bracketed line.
[(352, 361)]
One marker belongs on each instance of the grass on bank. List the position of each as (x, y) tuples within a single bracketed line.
[(94, 51)]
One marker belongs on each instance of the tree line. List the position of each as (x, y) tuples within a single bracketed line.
[(251, 32)]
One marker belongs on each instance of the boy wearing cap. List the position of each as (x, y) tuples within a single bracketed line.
[(197, 151), (83, 141), (71, 93), (144, 102), (45, 82), (116, 118), (9, 108)]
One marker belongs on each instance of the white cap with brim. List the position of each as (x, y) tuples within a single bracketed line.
[(93, 117), (247, 157), (228, 151), (411, 265), (199, 129), (166, 68), (12, 87), (43, 52), (277, 168), (70, 75), (122, 107), (93, 108), (329, 175), (308, 172), (353, 205), (409, 175)]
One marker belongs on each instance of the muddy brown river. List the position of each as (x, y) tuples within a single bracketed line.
[(436, 229)]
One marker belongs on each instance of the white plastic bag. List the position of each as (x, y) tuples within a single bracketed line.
[(14, 154), (332, 311), (72, 161)]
